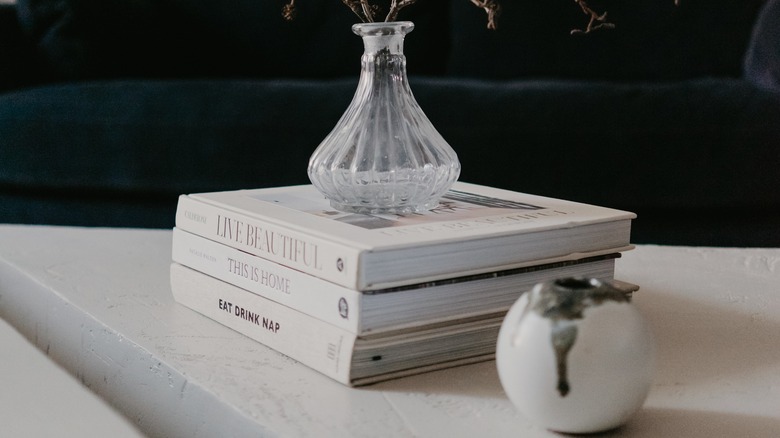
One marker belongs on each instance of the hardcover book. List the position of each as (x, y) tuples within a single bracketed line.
[(340, 354), (475, 229), (366, 312)]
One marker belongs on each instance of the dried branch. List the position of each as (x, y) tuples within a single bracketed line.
[(395, 8), (368, 12), (288, 11), (492, 9), (596, 21), (361, 8), (354, 7)]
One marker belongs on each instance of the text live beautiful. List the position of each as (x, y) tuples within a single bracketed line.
[(296, 251)]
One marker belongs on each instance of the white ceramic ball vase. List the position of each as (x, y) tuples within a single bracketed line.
[(575, 356)]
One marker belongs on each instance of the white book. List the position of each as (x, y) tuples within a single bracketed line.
[(333, 351), (475, 229), (385, 310)]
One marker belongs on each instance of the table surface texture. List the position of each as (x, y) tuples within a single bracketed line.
[(97, 302)]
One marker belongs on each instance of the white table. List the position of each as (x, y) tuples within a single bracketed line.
[(40, 399), (98, 302)]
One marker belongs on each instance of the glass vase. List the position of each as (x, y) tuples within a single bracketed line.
[(383, 155)]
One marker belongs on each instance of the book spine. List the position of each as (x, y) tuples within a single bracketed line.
[(321, 258), (314, 343), (315, 297)]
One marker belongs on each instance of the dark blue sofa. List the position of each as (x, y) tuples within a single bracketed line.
[(111, 108)]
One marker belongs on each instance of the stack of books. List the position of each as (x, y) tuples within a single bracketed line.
[(366, 298)]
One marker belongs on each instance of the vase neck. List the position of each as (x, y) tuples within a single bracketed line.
[(383, 37)]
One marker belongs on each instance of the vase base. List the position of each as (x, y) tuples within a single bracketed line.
[(373, 209)]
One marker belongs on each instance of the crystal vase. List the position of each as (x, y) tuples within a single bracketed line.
[(383, 155)]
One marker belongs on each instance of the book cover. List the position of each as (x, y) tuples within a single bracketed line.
[(364, 312), (330, 350), (475, 229)]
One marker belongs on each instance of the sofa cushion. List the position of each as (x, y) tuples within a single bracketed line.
[(696, 145), (762, 61), (80, 39), (117, 153), (144, 136), (652, 40), (701, 144)]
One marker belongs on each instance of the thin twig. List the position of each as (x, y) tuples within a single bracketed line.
[(395, 8), (288, 10), (355, 7), (492, 9), (368, 12), (596, 21)]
